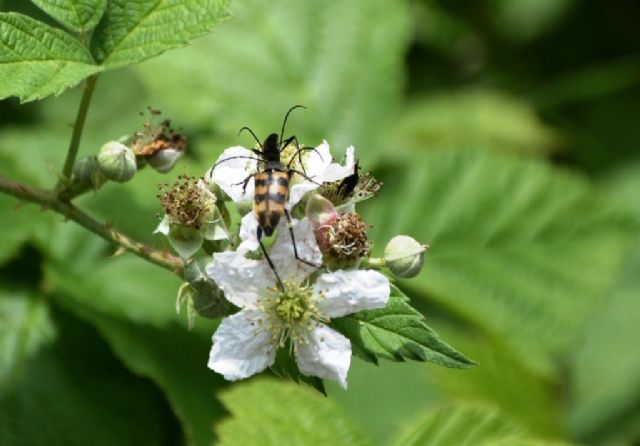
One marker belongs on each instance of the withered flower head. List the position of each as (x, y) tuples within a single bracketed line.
[(352, 189), (160, 145), (187, 202), (344, 237)]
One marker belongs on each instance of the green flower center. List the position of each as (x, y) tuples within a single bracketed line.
[(292, 312)]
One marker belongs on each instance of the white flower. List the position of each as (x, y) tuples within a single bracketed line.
[(246, 343), (318, 164)]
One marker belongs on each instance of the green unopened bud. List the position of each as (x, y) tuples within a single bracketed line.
[(117, 162), (201, 294), (404, 256), (85, 168)]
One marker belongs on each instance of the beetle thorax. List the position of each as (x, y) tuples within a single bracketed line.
[(271, 149)]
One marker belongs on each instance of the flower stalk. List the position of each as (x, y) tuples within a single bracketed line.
[(78, 126), (50, 200)]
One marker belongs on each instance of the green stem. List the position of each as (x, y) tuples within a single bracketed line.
[(78, 126), (373, 262), (49, 200)]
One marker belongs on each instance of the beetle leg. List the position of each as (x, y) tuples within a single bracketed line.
[(244, 183), (266, 256), (304, 175), (293, 241)]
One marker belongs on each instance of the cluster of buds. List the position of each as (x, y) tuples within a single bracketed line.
[(160, 146)]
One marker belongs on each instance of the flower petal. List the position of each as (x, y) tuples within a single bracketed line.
[(241, 346), (335, 171), (231, 173), (349, 291), (298, 190), (282, 253), (248, 233), (242, 280), (163, 227), (327, 354), (316, 161)]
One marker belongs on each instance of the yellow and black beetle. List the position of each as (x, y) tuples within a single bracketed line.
[(271, 184)]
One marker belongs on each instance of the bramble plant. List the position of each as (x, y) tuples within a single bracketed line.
[(299, 320), (282, 291)]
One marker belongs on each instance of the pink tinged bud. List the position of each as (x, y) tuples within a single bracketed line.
[(321, 211), (322, 215)]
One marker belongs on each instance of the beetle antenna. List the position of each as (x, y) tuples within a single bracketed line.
[(302, 149), (284, 123), (259, 160), (252, 134)]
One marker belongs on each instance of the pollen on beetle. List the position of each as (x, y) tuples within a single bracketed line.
[(345, 238), (292, 312), (185, 202)]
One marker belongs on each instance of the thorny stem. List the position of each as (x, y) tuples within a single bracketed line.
[(49, 200), (74, 145)]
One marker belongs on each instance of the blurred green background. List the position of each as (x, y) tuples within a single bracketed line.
[(507, 134)]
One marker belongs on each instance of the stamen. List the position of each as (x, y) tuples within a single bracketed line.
[(292, 312), (185, 202)]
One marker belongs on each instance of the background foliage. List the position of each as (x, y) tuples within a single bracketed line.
[(506, 135)]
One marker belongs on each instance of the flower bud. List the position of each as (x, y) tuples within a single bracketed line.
[(117, 162), (161, 146), (404, 256), (320, 211), (164, 160), (85, 168), (201, 294)]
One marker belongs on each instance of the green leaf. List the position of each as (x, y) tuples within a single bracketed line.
[(61, 385), (25, 222), (77, 15), (474, 118), (512, 244), (131, 32), (501, 380), (397, 332), (267, 413), (606, 375), (37, 60), (342, 59), (468, 425), (384, 399)]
